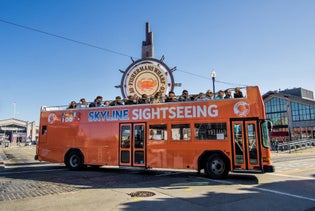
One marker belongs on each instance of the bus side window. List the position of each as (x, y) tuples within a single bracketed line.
[(180, 132), (158, 132), (44, 130), (125, 136), (210, 131)]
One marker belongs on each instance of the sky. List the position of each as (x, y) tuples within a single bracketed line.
[(268, 43)]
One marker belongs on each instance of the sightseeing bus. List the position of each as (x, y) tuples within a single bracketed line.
[(214, 136)]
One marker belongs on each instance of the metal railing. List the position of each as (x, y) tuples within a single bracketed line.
[(295, 145)]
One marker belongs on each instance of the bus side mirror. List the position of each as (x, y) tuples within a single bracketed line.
[(269, 125)]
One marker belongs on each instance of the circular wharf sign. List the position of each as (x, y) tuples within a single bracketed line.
[(147, 76)]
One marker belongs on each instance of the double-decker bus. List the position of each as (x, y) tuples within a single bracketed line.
[(213, 136)]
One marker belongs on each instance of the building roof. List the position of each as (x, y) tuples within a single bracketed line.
[(287, 95), (13, 121)]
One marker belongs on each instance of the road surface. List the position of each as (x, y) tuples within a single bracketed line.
[(26, 184)]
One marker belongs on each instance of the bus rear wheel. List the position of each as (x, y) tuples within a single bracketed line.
[(216, 167), (74, 160)]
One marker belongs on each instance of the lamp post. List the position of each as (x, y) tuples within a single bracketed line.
[(213, 75)]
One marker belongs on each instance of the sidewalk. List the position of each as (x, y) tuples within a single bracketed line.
[(282, 156), (3, 157), (309, 150)]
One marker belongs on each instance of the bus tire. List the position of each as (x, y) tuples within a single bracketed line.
[(216, 167), (74, 160)]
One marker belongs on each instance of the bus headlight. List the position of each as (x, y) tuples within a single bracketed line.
[(266, 159)]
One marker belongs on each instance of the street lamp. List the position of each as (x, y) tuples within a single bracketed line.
[(213, 75)]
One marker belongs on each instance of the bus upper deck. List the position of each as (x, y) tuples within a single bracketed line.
[(239, 92)]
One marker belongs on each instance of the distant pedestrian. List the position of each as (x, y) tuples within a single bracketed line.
[(277, 145)]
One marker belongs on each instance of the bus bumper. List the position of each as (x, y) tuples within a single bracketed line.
[(269, 168)]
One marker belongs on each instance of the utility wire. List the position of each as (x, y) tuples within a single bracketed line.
[(203, 77), (97, 47), (65, 38)]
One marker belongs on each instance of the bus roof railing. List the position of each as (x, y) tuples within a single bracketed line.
[(65, 107)]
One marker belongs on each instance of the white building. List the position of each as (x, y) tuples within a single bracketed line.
[(18, 131)]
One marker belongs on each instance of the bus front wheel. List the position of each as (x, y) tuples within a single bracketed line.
[(216, 167), (74, 160)]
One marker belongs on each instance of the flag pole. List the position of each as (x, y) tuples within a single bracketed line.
[(14, 109)]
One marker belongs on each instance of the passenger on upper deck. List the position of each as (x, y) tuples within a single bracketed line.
[(228, 94), (144, 99), (97, 102), (185, 96), (171, 97), (83, 103), (116, 102), (131, 100), (72, 105), (106, 103), (209, 94), (158, 98), (220, 95), (238, 93), (201, 97)]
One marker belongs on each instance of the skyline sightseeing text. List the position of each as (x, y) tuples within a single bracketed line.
[(154, 113)]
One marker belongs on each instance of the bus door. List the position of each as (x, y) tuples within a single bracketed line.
[(245, 145), (132, 144)]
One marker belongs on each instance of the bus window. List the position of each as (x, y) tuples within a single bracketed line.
[(125, 136), (238, 143), (44, 130), (139, 136), (180, 132), (265, 134), (210, 131), (158, 132), (251, 136)]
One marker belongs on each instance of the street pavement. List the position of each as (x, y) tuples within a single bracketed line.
[(25, 186)]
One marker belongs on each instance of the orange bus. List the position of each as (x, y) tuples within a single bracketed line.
[(214, 136)]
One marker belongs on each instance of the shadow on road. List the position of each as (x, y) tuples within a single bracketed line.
[(58, 179)]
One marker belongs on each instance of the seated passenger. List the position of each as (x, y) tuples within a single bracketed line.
[(116, 102), (97, 102), (201, 97), (144, 99), (106, 103), (131, 100), (238, 93), (228, 94), (158, 98), (135, 99), (82, 103), (72, 105), (209, 94), (194, 97), (185, 96), (171, 97), (220, 95)]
